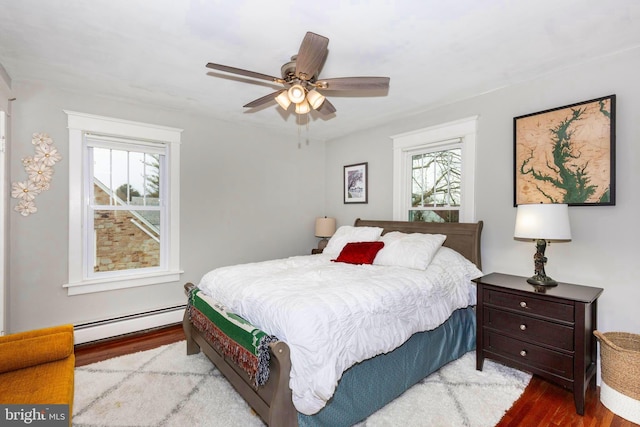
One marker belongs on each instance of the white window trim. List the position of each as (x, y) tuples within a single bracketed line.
[(431, 137), (78, 124)]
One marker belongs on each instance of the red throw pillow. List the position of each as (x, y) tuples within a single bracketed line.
[(359, 252)]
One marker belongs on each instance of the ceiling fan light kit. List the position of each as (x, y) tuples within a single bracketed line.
[(300, 79)]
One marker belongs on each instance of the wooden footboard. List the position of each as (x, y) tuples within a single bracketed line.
[(272, 402)]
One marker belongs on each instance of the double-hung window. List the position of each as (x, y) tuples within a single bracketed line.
[(124, 204), (434, 173), (436, 190), (125, 214)]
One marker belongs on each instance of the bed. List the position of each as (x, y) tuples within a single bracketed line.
[(384, 377)]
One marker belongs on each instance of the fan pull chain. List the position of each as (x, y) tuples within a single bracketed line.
[(306, 125)]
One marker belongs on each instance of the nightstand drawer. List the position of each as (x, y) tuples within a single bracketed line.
[(529, 328), (529, 305), (529, 354)]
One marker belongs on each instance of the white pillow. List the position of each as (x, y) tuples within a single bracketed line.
[(349, 234), (393, 236), (414, 250)]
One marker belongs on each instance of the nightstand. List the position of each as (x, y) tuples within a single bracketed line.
[(316, 251), (549, 334)]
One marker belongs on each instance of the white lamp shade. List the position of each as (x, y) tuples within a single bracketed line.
[(283, 100), (296, 93), (315, 99), (325, 227), (548, 221), (303, 107)]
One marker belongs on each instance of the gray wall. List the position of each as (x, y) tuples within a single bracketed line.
[(604, 249), (5, 89), (246, 195)]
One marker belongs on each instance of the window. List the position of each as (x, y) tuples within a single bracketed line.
[(434, 173), (124, 216), (436, 183), (124, 204)]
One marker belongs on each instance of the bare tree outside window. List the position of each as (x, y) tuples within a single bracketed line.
[(436, 186)]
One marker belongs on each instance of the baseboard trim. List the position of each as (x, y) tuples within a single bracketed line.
[(95, 331)]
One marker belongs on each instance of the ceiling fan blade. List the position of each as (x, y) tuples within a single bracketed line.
[(263, 100), (246, 73), (326, 108), (353, 83), (312, 53)]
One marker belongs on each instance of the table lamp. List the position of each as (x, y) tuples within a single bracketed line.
[(542, 222), (325, 227)]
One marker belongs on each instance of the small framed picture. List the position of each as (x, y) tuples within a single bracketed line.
[(567, 154), (355, 183)]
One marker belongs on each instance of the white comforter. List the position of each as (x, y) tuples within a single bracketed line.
[(333, 315)]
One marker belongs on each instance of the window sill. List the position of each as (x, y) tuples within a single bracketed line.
[(111, 284)]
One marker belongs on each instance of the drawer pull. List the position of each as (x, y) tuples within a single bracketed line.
[(523, 353), (523, 327), (523, 304)]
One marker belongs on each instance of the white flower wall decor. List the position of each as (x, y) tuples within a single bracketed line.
[(39, 168)]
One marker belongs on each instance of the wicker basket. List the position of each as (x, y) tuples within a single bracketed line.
[(620, 362)]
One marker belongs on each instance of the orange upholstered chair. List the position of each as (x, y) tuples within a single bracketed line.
[(37, 367)]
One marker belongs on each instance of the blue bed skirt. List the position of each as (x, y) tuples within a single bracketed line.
[(368, 386)]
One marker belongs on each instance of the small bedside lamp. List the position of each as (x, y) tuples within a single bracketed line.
[(542, 223), (325, 227)]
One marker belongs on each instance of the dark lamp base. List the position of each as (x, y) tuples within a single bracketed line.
[(540, 280)]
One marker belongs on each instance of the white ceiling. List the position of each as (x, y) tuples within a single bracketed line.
[(434, 51)]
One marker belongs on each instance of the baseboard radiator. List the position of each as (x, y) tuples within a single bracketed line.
[(102, 329)]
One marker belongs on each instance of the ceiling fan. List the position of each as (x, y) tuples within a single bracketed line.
[(301, 82)]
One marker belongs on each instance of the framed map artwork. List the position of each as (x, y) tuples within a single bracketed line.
[(566, 154)]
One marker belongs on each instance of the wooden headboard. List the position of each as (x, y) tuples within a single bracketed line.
[(461, 237)]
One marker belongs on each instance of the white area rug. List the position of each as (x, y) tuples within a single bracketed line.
[(165, 387)]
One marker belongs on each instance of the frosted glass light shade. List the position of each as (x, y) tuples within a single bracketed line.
[(296, 93), (315, 99), (303, 107), (548, 221), (283, 100)]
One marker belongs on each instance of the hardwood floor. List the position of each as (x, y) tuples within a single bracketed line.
[(546, 404), (542, 404), (132, 343)]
